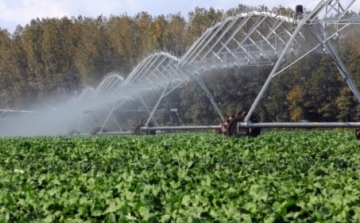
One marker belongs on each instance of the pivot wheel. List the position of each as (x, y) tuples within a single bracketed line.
[(357, 133), (97, 130), (229, 126), (232, 128), (136, 130), (73, 132)]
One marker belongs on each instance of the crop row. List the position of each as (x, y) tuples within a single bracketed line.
[(303, 176)]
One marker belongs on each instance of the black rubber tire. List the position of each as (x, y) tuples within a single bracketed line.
[(254, 132), (137, 128), (151, 132), (228, 125), (73, 132), (97, 130), (225, 124), (357, 133), (232, 125)]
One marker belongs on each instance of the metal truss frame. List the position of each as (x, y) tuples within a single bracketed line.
[(246, 39), (24, 113)]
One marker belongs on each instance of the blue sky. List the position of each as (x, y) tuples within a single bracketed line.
[(20, 12)]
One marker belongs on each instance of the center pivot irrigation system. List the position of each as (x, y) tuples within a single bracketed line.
[(254, 38)]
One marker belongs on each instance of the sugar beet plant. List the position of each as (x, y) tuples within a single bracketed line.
[(307, 176)]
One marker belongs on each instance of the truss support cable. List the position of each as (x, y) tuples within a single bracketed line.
[(195, 45), (209, 95), (79, 122), (337, 60), (157, 104), (177, 86), (111, 114), (204, 46), (346, 10), (145, 69), (310, 51), (221, 36), (240, 27), (343, 71), (147, 109), (317, 9)]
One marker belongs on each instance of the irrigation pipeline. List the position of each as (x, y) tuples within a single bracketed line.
[(247, 39), (263, 125)]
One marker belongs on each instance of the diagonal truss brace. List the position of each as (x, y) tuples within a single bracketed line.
[(147, 109), (111, 114), (306, 18), (337, 60), (202, 84)]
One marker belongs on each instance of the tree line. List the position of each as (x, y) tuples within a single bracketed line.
[(54, 59)]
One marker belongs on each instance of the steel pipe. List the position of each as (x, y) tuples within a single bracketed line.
[(300, 125), (200, 127)]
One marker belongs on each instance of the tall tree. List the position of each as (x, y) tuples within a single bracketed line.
[(5, 73), (323, 90), (176, 30), (22, 92), (92, 54), (31, 42), (143, 23), (160, 36), (57, 54), (296, 102), (346, 105), (199, 20)]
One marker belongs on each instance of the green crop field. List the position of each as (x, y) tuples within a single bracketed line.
[(299, 176)]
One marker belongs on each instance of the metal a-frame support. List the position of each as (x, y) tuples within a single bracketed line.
[(282, 55), (157, 104), (111, 114), (330, 49), (201, 51), (317, 31), (247, 39), (148, 110), (165, 92), (81, 119), (203, 86)]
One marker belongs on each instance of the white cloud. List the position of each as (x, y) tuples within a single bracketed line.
[(25, 10), (21, 12)]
